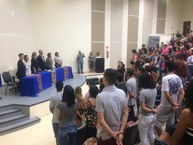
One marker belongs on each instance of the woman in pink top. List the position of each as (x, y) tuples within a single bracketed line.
[(165, 49)]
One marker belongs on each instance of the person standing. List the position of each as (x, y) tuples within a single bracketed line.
[(49, 61), (146, 119), (91, 61), (66, 114), (54, 101), (34, 63), (132, 93), (27, 65), (112, 111), (21, 69), (57, 60), (41, 61), (171, 99), (80, 61)]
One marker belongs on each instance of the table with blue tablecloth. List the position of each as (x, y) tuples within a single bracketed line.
[(32, 85)]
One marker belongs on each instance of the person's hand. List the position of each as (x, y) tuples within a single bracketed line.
[(155, 111), (115, 135), (175, 107), (119, 140)]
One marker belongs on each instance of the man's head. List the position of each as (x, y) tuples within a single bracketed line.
[(40, 52), (59, 86), (169, 66), (130, 72), (21, 56), (26, 58), (109, 77), (119, 77)]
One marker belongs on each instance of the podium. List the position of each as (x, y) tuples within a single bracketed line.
[(99, 65)]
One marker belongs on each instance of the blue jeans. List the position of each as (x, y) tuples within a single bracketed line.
[(55, 129), (67, 135), (80, 68), (146, 129)]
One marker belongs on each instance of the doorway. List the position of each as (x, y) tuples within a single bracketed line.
[(186, 27)]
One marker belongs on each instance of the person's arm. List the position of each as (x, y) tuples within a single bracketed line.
[(58, 114), (123, 125), (143, 105), (146, 109), (105, 126), (169, 98), (181, 127), (130, 94), (51, 105)]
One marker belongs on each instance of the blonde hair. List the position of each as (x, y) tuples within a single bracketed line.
[(34, 54), (78, 93)]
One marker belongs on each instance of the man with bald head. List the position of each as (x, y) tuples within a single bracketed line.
[(41, 61)]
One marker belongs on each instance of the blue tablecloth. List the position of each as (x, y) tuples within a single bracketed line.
[(29, 84), (60, 74), (46, 79), (70, 74)]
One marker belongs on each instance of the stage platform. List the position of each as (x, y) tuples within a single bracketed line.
[(12, 99)]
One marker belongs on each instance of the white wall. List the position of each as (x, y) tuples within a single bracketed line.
[(15, 32), (173, 16), (63, 26), (187, 12)]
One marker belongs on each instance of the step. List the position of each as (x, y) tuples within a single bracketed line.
[(4, 108), (16, 126), (10, 120), (9, 113)]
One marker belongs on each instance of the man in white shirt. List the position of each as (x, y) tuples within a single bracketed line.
[(171, 99)]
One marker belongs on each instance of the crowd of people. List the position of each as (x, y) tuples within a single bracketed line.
[(107, 109)]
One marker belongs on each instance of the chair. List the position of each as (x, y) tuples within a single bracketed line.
[(9, 82)]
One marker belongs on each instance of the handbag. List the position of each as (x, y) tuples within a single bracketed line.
[(90, 141)]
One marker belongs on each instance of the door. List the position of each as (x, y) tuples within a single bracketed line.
[(186, 27)]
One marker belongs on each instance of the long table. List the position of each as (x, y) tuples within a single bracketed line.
[(32, 85)]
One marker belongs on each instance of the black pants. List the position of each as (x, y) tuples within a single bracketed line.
[(131, 116), (90, 132)]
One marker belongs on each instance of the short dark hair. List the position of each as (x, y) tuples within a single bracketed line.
[(170, 65), (120, 76), (68, 96), (146, 81), (134, 51), (130, 72), (20, 54), (25, 56), (110, 76), (59, 85), (93, 91), (56, 53), (48, 54), (142, 69)]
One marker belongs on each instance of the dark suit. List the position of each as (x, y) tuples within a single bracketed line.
[(21, 70), (34, 65), (41, 62)]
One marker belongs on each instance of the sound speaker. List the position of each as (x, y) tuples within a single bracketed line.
[(99, 65)]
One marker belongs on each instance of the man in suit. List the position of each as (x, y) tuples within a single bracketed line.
[(21, 69), (41, 61)]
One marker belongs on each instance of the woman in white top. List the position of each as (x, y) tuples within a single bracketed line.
[(27, 65), (57, 60)]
